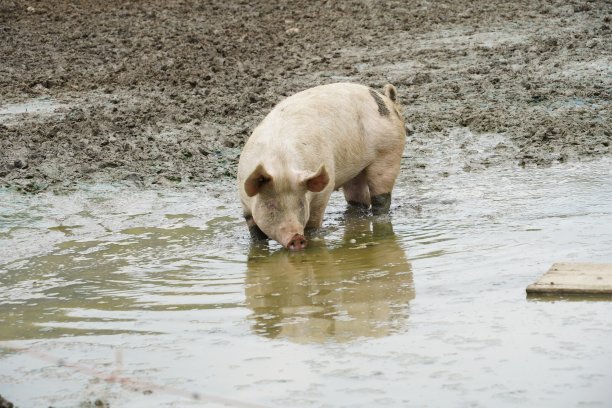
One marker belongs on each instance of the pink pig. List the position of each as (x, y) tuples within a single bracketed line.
[(328, 137)]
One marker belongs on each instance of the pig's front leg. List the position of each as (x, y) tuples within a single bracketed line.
[(256, 233), (317, 210)]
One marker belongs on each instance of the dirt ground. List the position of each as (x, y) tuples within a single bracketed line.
[(160, 92)]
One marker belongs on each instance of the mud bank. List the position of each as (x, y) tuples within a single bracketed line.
[(166, 92)]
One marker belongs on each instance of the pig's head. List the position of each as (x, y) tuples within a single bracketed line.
[(281, 202)]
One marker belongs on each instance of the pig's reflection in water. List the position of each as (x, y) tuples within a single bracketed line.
[(359, 289)]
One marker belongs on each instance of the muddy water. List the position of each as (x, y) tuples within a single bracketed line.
[(34, 106), (162, 292)]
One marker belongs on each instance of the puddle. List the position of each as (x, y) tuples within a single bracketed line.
[(162, 292), (37, 106)]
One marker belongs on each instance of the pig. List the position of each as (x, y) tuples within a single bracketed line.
[(334, 136)]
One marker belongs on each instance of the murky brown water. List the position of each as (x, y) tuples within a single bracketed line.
[(162, 291)]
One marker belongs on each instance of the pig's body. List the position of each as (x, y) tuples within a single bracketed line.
[(314, 142)]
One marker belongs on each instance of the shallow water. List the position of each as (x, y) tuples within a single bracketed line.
[(157, 298), (36, 106)]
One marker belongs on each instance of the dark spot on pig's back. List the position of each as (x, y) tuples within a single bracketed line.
[(382, 108)]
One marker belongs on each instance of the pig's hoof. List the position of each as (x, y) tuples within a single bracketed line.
[(297, 242)]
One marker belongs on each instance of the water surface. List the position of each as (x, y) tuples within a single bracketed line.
[(162, 291)]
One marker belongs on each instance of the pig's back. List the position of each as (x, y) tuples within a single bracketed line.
[(338, 124)]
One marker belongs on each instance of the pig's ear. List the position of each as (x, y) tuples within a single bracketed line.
[(258, 178), (318, 181)]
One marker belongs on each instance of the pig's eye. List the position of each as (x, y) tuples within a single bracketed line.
[(272, 206)]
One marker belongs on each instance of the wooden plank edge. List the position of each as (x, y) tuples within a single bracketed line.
[(535, 288)]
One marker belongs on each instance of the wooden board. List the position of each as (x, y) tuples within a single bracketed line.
[(578, 278)]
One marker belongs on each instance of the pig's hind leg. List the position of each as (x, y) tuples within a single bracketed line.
[(356, 191), (380, 177)]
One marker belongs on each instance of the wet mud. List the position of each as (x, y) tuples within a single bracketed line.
[(163, 92)]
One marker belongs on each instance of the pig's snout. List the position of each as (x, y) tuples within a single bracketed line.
[(297, 242)]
